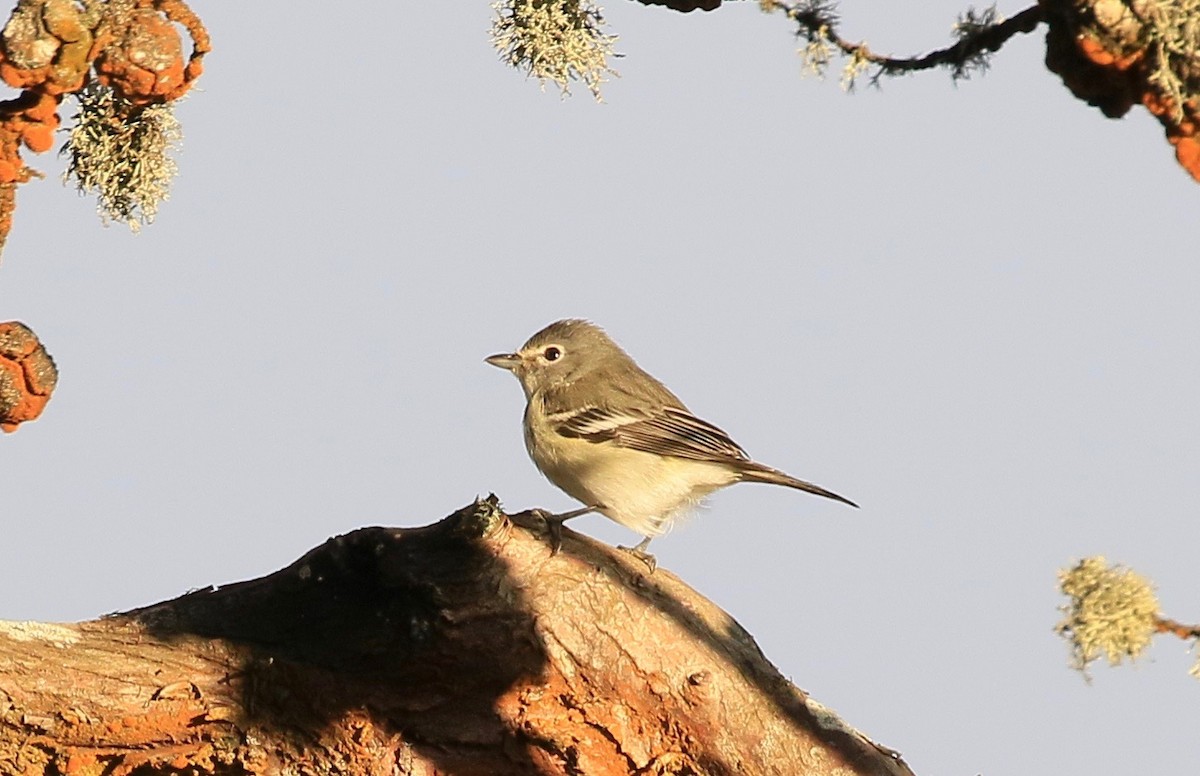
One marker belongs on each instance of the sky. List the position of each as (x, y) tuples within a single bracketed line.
[(969, 307)]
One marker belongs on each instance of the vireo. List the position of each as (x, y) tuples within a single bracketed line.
[(616, 439)]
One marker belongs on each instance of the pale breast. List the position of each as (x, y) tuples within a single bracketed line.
[(642, 491)]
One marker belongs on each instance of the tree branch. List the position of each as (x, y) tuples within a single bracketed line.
[(979, 35), (1174, 627), (462, 647)]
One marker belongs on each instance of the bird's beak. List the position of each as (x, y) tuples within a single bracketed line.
[(507, 361)]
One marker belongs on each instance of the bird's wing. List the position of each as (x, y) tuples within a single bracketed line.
[(665, 430)]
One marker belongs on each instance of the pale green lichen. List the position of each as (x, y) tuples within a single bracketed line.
[(122, 153), (816, 54), (1172, 33), (856, 64), (1112, 612), (555, 40)]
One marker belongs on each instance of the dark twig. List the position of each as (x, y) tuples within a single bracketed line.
[(979, 36)]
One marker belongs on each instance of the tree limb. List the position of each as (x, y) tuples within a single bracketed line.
[(462, 647), (818, 22)]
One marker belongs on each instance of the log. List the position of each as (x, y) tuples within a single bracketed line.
[(464, 647)]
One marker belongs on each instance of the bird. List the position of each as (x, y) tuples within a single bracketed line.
[(614, 438)]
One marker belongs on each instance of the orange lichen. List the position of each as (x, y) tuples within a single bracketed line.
[(39, 138), (145, 62), (82, 764), (28, 375), (1114, 58), (50, 48), (1094, 51), (45, 108), (142, 58), (1181, 132), (24, 116), (1187, 152), (8, 203), (45, 46)]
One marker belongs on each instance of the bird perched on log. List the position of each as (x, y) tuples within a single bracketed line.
[(613, 437)]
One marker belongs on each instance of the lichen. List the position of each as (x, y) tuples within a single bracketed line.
[(121, 152), (555, 40), (1112, 612)]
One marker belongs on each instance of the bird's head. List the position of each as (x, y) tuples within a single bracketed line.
[(559, 354)]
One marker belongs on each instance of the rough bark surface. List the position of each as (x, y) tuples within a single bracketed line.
[(460, 648)]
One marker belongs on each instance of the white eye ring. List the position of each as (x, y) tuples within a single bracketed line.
[(552, 353)]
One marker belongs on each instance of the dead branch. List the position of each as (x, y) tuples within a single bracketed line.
[(462, 647)]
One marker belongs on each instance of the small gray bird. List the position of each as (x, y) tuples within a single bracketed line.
[(613, 437)]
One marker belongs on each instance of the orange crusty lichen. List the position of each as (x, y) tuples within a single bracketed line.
[(49, 48), (1180, 127), (1115, 54), (1095, 52), (142, 55), (145, 60), (27, 375), (52, 45)]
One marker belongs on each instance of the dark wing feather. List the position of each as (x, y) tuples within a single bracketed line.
[(637, 412), (667, 431)]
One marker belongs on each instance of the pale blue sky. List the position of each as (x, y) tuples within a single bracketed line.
[(972, 309)]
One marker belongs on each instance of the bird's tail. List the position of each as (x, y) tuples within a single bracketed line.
[(755, 472)]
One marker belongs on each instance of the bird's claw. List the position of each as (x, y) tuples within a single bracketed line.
[(640, 553), (554, 524)]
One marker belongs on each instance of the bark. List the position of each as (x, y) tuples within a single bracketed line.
[(462, 648), (685, 5)]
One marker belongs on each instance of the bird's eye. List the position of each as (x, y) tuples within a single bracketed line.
[(551, 353)]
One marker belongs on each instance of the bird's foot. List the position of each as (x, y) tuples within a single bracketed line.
[(554, 523), (639, 551)]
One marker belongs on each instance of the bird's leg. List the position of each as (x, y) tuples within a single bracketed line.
[(554, 524), (639, 552)]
